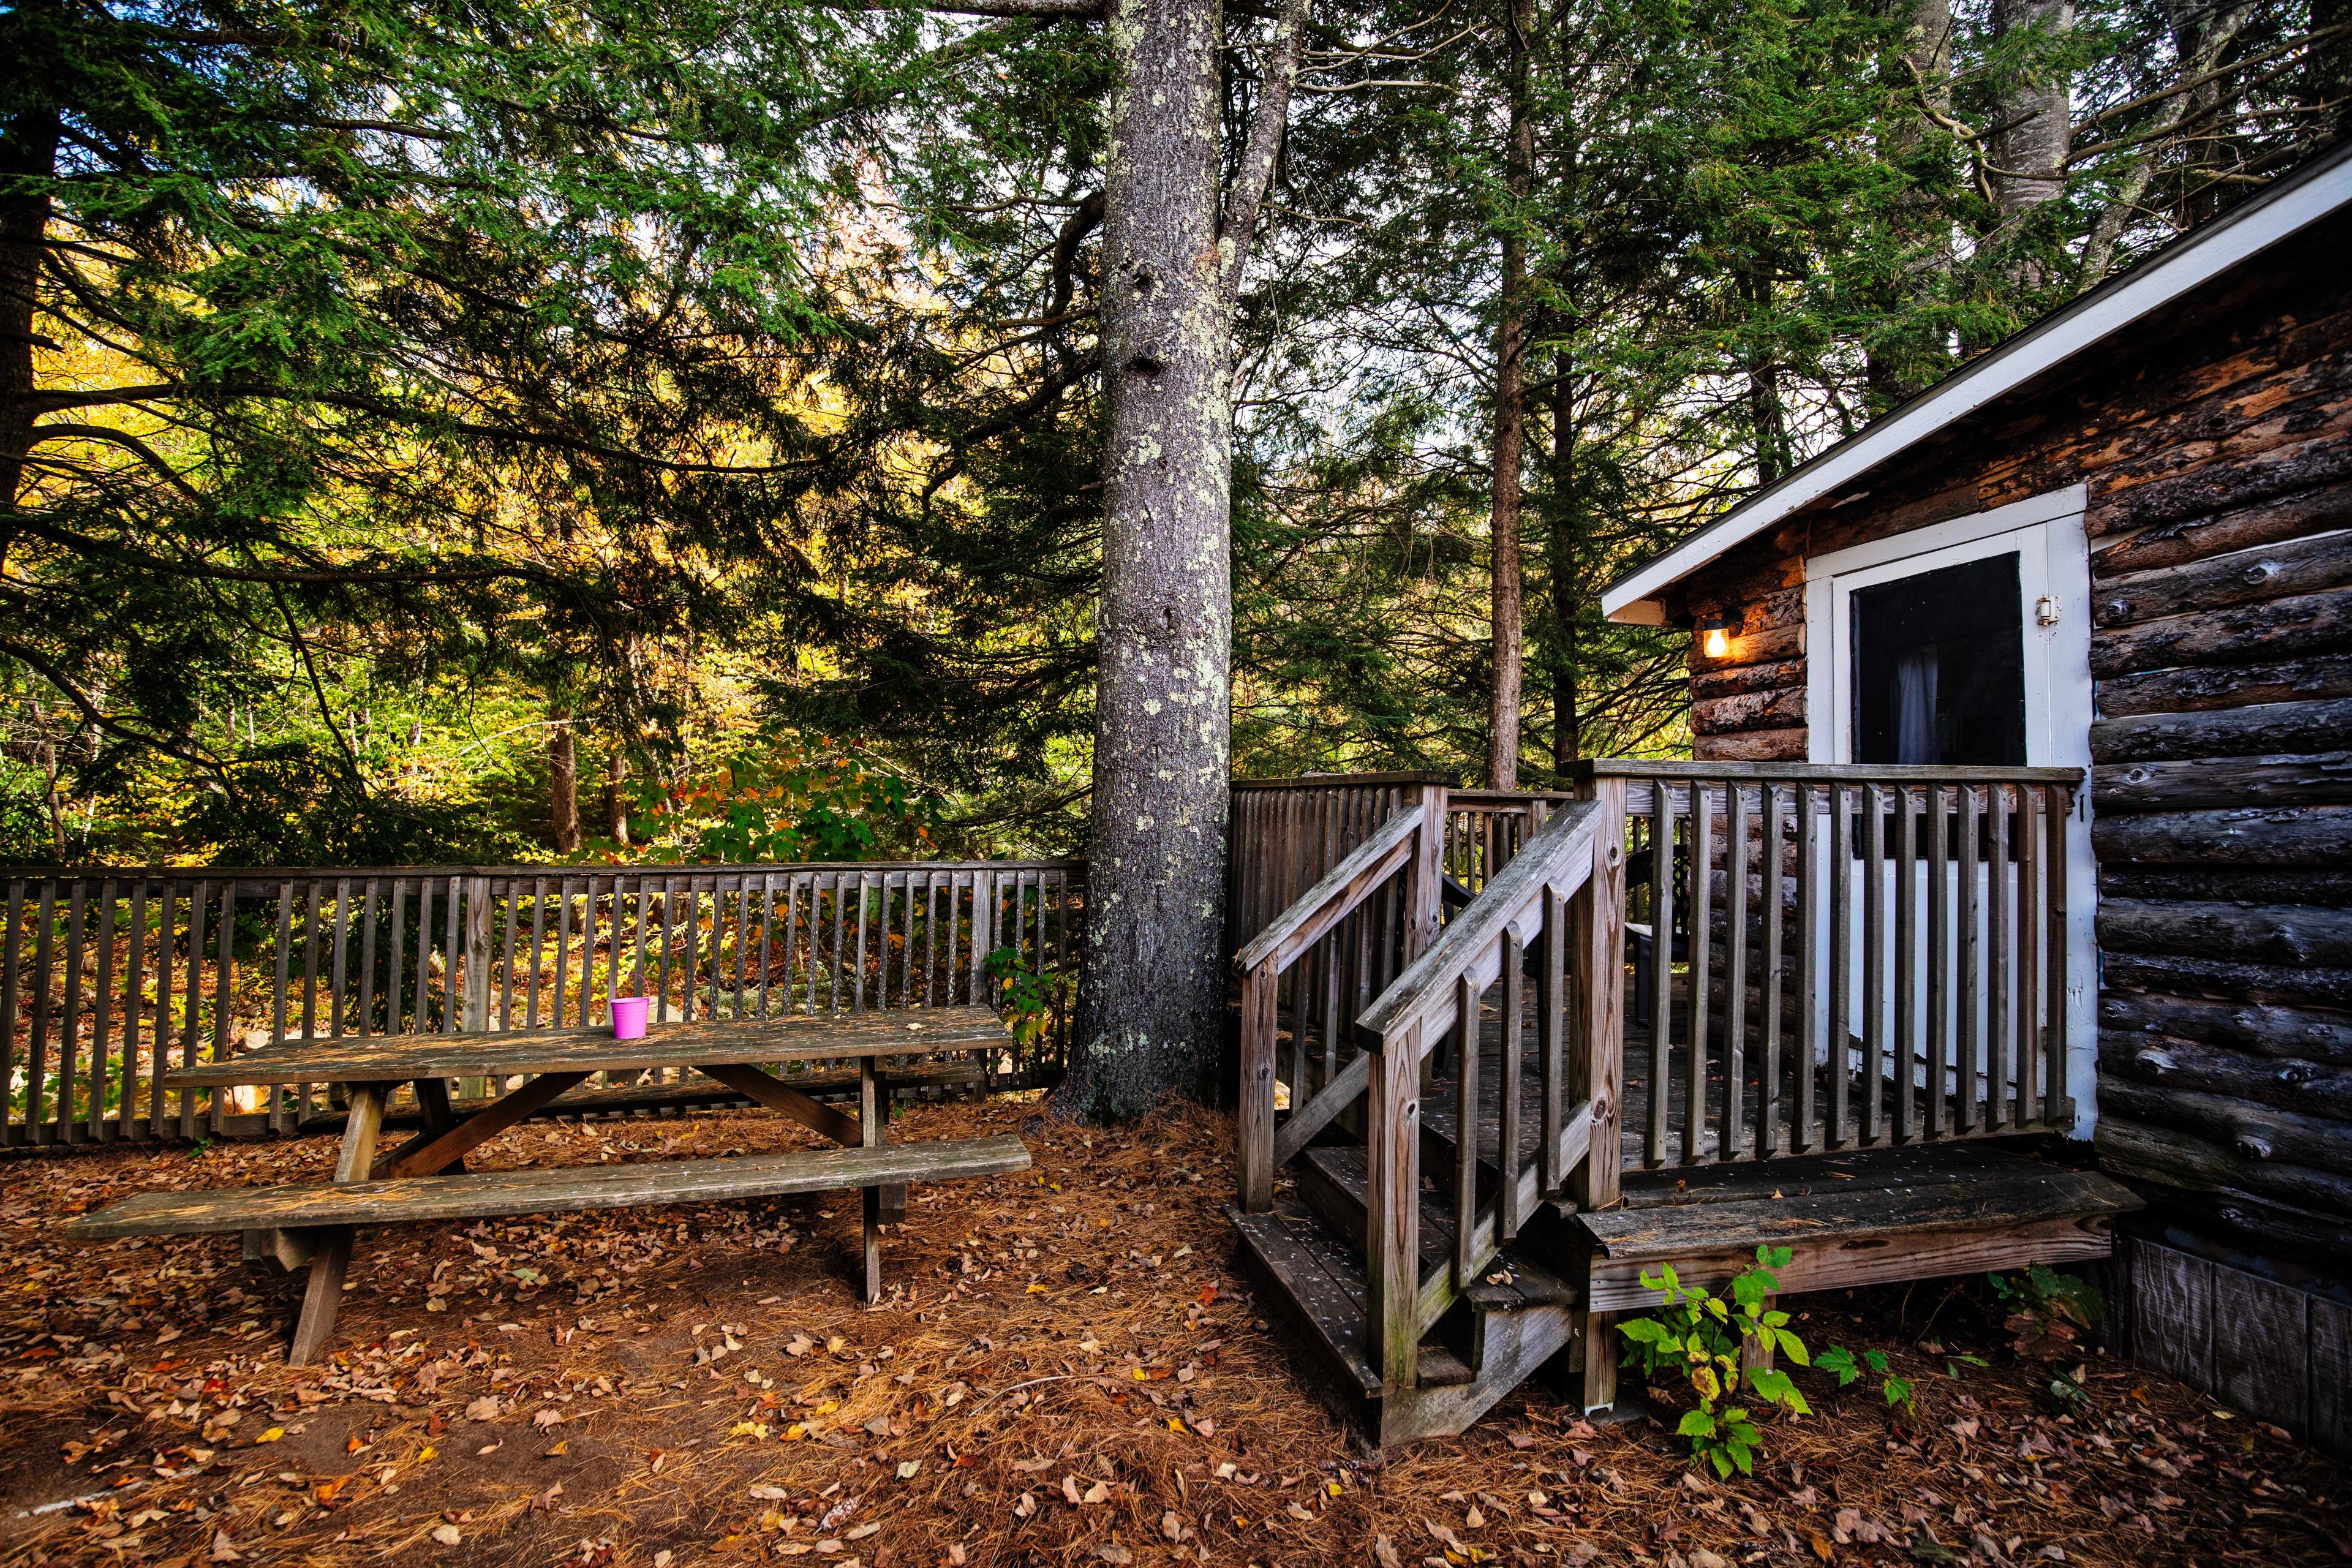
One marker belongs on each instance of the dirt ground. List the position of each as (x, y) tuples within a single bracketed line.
[(1068, 1370)]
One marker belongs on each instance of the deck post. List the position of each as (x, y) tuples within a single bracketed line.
[(1258, 992), (1596, 950), (1393, 1207), (1424, 879)]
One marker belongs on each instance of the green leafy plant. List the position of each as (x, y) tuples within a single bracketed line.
[(1702, 1338), (1849, 1369), (1028, 995), (2048, 1312)]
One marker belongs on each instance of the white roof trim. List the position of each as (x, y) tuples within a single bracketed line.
[(2202, 255)]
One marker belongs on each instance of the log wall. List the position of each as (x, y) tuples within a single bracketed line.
[(2215, 443)]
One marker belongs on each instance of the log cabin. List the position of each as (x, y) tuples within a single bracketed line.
[(2002, 913), (2123, 541)]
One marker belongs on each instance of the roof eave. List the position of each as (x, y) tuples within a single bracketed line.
[(2293, 203)]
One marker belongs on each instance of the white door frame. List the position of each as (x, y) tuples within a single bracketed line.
[(2055, 565)]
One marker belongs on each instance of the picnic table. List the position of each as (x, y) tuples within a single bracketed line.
[(314, 1224)]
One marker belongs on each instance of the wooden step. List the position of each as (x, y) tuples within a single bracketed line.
[(1334, 1182), (1992, 1208), (1312, 1278), (1319, 1284), (550, 1190)]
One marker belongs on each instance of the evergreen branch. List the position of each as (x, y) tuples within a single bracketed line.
[(124, 439), (172, 391), (41, 665), (1080, 10)]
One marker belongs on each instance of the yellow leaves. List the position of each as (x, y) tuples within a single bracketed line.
[(755, 1430), (272, 1435), (1036, 1288)]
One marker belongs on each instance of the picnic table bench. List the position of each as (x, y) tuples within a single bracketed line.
[(313, 1224)]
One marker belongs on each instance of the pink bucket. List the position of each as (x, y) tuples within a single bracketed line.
[(629, 1018)]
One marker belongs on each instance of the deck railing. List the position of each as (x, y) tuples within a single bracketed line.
[(108, 977), (1881, 956), (1554, 904), (1884, 957), (1551, 912)]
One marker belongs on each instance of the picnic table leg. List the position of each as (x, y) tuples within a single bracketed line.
[(433, 1099), (331, 1250), (872, 1134), (894, 1196)]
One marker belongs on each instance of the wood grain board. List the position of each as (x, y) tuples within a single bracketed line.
[(388, 1060), (498, 1193)]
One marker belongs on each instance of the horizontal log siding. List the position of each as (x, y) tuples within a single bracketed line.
[(2216, 447)]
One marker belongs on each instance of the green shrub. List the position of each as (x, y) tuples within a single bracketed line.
[(1700, 1337)]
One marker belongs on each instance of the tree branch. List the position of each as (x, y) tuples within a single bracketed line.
[(1265, 146), (1080, 10)]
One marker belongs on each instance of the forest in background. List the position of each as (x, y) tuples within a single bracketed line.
[(452, 431)]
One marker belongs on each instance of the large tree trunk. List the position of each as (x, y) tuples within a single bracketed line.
[(1150, 1011), (563, 782), (28, 150), (1567, 569), (2033, 114), (1511, 422)]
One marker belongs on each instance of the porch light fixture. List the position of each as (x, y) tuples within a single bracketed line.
[(1717, 641)]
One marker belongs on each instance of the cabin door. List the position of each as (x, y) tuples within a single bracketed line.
[(1958, 645)]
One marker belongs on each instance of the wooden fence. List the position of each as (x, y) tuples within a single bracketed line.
[(108, 977)]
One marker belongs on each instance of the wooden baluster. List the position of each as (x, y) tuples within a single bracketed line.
[(101, 1042), (1552, 1065), (224, 991), (134, 1004), (2028, 934), (1733, 1137), (10, 957), (1807, 1138), (65, 1130), (1968, 956), (1940, 1064), (340, 987), (311, 897), (1873, 966), (557, 983), (277, 989), (365, 1024), (1661, 970), (2057, 813), (537, 951), (1906, 967), (1465, 1140), (1702, 955), (1506, 1123), (1841, 1020), (189, 1004), (1770, 1109), (2000, 1045)]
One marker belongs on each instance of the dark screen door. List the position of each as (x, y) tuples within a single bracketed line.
[(1939, 668)]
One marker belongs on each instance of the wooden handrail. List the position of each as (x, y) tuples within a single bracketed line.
[(1819, 773), (1408, 842), (1525, 908), (1559, 855), (1336, 897)]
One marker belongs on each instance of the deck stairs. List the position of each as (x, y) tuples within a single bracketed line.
[(1549, 1267)]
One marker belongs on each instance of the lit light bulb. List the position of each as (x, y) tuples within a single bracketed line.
[(1717, 641)]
